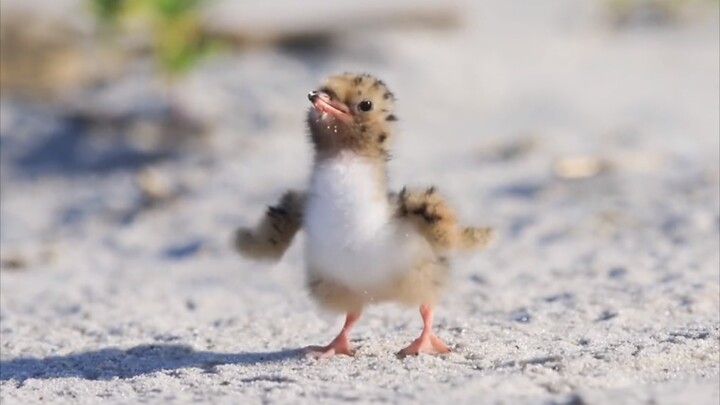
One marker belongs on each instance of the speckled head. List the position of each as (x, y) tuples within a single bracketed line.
[(351, 112)]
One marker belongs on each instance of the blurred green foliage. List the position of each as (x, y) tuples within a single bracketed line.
[(107, 11), (174, 26)]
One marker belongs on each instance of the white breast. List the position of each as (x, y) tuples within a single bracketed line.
[(350, 235)]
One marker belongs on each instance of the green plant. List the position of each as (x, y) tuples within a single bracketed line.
[(107, 11), (176, 36)]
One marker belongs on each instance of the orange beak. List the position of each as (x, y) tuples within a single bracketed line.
[(325, 104)]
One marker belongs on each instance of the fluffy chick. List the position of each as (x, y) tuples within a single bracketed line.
[(363, 243)]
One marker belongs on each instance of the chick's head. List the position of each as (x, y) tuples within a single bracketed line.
[(352, 112)]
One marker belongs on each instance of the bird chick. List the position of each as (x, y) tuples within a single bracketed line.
[(364, 244)]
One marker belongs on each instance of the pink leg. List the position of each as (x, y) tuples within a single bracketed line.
[(339, 345), (428, 342)]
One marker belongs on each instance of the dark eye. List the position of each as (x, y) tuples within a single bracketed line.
[(365, 105)]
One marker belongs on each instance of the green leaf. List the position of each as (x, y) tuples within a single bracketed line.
[(107, 11), (175, 8)]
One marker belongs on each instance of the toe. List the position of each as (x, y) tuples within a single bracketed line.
[(427, 345), (320, 352), (438, 346)]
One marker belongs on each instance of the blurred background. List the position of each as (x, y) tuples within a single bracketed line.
[(153, 127), (136, 135), (113, 111)]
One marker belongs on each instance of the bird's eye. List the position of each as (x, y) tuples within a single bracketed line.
[(365, 105)]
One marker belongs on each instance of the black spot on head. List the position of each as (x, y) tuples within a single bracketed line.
[(391, 117), (382, 137), (363, 128)]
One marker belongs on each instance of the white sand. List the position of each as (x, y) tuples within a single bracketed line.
[(604, 290)]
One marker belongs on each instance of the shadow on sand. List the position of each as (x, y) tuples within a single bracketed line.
[(70, 150), (108, 363)]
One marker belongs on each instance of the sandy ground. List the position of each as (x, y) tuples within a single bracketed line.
[(599, 290)]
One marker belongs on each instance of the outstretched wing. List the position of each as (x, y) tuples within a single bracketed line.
[(436, 220), (272, 236)]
